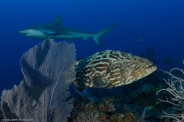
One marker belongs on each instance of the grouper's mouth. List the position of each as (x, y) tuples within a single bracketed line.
[(152, 66), (145, 72), (150, 69)]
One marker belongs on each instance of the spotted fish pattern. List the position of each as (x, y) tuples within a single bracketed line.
[(109, 68)]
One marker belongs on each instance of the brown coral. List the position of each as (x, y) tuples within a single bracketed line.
[(117, 118), (107, 105), (101, 107), (90, 106)]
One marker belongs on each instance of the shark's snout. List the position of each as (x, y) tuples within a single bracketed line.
[(33, 33), (23, 31)]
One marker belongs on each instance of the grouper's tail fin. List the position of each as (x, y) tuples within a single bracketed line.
[(97, 35)]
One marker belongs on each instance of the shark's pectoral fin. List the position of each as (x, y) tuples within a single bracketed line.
[(85, 38), (73, 39), (57, 20)]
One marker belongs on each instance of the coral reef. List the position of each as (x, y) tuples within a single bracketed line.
[(107, 105), (135, 102), (89, 116), (100, 111), (43, 95)]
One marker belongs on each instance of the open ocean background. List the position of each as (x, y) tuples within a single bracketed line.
[(142, 24)]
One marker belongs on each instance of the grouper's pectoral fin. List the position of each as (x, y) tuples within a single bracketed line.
[(57, 20), (99, 82)]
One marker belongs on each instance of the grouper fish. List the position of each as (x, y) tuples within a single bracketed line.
[(109, 69)]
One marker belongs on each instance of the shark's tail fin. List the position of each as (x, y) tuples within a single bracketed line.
[(97, 35)]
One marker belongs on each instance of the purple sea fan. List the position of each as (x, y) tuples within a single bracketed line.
[(43, 95)]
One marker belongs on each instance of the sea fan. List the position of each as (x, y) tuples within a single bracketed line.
[(43, 95), (175, 95)]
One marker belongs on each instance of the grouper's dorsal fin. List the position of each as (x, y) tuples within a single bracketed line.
[(57, 20)]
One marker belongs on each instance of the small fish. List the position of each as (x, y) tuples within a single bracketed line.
[(141, 39), (109, 68)]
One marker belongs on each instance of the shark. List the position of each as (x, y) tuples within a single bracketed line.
[(56, 30)]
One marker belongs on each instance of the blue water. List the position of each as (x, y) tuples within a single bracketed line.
[(159, 24)]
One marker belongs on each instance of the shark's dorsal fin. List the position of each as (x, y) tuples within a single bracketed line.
[(57, 20)]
